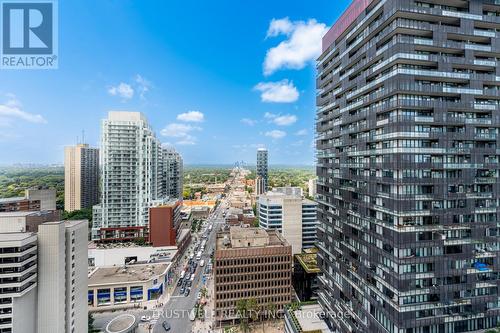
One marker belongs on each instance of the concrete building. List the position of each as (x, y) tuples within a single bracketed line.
[(262, 175), (291, 214), (18, 204), (135, 174), (126, 286), (44, 278), (26, 221), (62, 277), (81, 177), (46, 196), (18, 286), (35, 199), (251, 263), (173, 169), (312, 187), (408, 165)]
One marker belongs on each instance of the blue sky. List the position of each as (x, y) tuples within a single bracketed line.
[(216, 79)]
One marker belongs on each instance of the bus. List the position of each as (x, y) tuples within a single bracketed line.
[(198, 256)]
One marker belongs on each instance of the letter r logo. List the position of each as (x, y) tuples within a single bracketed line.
[(27, 28)]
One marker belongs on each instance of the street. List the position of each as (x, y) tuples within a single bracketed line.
[(177, 311)]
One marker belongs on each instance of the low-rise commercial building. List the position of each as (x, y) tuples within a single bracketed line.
[(126, 286), (109, 255), (251, 263)]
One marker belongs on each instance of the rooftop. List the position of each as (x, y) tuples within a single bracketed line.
[(15, 236), (131, 273), (24, 213), (241, 237), (12, 199), (309, 319), (309, 260)]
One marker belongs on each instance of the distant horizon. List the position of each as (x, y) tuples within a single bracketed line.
[(188, 165)]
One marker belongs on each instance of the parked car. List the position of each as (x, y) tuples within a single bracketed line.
[(179, 282), (186, 293), (182, 290), (198, 296), (145, 318)]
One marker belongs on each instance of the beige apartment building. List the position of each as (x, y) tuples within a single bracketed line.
[(251, 263), (81, 174)]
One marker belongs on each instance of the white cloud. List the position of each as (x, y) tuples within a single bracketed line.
[(275, 134), (182, 132), (189, 140), (302, 46), (301, 132), (277, 92), (123, 90), (285, 120), (143, 85), (279, 27), (281, 120), (11, 111), (191, 116), (248, 121)]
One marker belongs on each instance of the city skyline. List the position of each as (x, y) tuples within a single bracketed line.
[(240, 88)]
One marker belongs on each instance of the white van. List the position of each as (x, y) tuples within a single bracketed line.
[(202, 263), (192, 277)]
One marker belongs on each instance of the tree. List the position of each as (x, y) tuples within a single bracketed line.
[(91, 328), (270, 312), (242, 312), (252, 308)]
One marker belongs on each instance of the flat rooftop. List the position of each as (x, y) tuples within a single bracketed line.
[(131, 273), (12, 199), (309, 319), (15, 236), (240, 237), (23, 213)]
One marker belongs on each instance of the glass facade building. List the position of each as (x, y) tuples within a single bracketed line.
[(407, 125)]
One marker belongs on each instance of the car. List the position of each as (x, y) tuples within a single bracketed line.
[(145, 318), (156, 315), (198, 296), (182, 290), (189, 283), (186, 293), (166, 326), (179, 283)]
